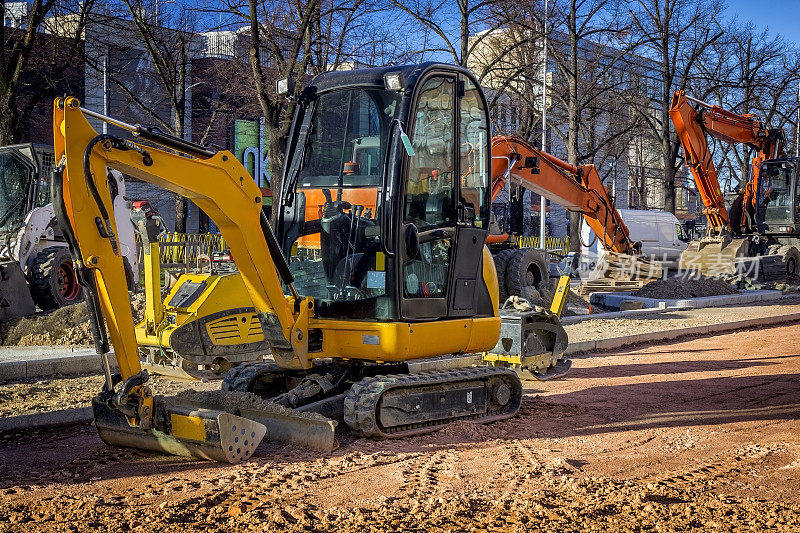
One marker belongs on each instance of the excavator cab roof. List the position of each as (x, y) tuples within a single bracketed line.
[(409, 75)]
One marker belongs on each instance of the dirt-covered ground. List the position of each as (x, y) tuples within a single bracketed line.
[(695, 435), (603, 328), (685, 288), (67, 326), (66, 392)]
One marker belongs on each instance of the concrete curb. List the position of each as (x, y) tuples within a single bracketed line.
[(671, 334), (633, 313), (28, 367), (612, 300), (64, 417)]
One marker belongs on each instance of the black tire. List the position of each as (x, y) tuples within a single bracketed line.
[(501, 260), (528, 275), (53, 280), (791, 258)]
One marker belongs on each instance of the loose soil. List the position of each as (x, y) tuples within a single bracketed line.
[(67, 326), (672, 288), (55, 393), (695, 435)]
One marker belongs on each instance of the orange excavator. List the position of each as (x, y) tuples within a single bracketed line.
[(757, 234), (580, 189)]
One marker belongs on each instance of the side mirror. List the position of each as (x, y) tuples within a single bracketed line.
[(411, 241)]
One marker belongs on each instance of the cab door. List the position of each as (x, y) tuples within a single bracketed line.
[(439, 275)]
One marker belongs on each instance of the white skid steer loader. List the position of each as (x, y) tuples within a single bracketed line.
[(36, 268)]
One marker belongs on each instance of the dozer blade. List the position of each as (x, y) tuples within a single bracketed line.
[(532, 342), (216, 425), (714, 256), (15, 296)]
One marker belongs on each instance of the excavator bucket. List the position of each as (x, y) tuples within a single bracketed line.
[(713, 256), (217, 425), (720, 256), (15, 297), (187, 431)]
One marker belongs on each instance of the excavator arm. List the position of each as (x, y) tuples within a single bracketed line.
[(126, 413), (216, 182), (576, 188), (693, 123)]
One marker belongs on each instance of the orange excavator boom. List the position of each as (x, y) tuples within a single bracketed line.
[(576, 188), (694, 120)]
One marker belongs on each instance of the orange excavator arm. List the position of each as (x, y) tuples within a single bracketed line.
[(692, 124), (576, 188)]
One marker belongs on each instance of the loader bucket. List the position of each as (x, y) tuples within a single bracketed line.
[(217, 425), (15, 297)]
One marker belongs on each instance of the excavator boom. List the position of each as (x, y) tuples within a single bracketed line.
[(694, 120), (726, 248), (576, 188)]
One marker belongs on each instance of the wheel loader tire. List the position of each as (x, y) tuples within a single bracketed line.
[(528, 275), (791, 258), (501, 260), (53, 280)]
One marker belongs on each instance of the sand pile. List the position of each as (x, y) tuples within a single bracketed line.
[(68, 326), (685, 288)]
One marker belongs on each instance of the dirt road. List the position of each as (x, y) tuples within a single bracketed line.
[(700, 434)]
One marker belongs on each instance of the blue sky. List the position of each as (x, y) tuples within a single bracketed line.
[(781, 16)]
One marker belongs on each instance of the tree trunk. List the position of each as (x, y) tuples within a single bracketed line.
[(179, 114), (9, 133), (464, 5), (573, 117)]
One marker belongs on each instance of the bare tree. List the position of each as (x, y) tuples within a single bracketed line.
[(150, 66), (300, 38), (455, 30), (37, 52), (675, 34)]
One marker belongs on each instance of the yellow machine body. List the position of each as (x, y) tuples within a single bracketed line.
[(207, 324)]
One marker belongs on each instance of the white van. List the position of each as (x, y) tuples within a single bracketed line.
[(660, 233)]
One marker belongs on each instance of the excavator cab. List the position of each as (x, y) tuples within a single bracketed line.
[(778, 209), (378, 223)]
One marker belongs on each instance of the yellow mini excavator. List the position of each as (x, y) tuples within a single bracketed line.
[(354, 302)]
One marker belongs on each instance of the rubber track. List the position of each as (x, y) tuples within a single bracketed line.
[(363, 399), (240, 377)]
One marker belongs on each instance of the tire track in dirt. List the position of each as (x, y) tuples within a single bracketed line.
[(424, 473), (716, 467)]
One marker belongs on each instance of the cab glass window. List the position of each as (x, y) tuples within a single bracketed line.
[(430, 190), (474, 154)]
